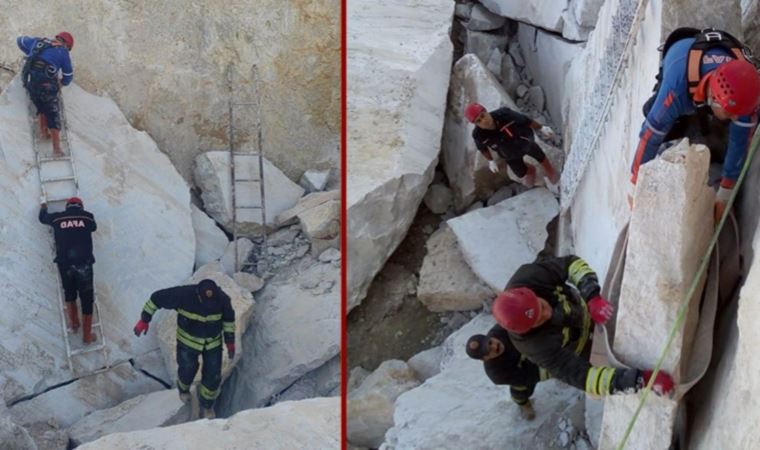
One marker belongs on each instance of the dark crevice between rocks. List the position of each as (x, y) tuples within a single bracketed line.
[(163, 383), (36, 394), (548, 31)]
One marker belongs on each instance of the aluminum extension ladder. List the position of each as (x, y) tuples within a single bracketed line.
[(243, 178), (59, 182)]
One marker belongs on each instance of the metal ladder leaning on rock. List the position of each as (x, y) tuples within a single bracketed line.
[(59, 182), (246, 180)]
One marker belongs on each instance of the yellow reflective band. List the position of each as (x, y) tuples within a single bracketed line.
[(584, 332), (189, 343), (208, 394), (519, 388), (150, 307), (592, 378), (199, 318), (565, 336), (609, 372), (182, 386), (190, 337), (543, 374), (577, 270), (228, 327), (520, 401), (197, 343)]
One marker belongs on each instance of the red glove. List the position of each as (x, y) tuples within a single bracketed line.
[(600, 310), (230, 349), (141, 327), (663, 383)]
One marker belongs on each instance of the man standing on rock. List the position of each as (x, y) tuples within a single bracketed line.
[(72, 230), (46, 60), (700, 70), (550, 325), (505, 365), (204, 318), (511, 136)]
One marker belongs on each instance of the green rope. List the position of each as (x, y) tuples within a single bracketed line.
[(693, 287)]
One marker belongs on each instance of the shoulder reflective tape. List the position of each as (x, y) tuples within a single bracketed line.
[(577, 270), (229, 327)]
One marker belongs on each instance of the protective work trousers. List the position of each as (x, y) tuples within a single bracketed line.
[(43, 92), (77, 282), (211, 374)]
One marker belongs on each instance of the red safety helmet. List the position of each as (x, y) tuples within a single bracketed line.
[(735, 86), (473, 110), (67, 39), (517, 310), (74, 201)]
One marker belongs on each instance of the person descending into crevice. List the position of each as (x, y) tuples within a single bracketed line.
[(205, 319), (72, 230), (511, 136), (47, 59), (699, 69), (504, 365), (550, 324)]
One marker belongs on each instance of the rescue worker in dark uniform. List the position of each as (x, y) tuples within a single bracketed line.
[(511, 136), (205, 319), (559, 343), (46, 58), (72, 230), (505, 365)]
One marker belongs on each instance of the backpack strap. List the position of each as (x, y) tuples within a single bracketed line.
[(709, 38)]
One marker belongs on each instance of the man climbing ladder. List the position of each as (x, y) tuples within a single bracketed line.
[(46, 59), (72, 230), (204, 318)]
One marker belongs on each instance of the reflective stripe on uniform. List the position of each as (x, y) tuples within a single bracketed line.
[(197, 343), (584, 333), (577, 270), (150, 307), (599, 380), (182, 386), (199, 318), (207, 393), (228, 327), (519, 388), (543, 374)]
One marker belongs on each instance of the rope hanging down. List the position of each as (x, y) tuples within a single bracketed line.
[(692, 288)]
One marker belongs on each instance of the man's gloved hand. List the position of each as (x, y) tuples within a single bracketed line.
[(600, 310), (141, 327), (663, 382), (721, 200), (230, 349), (493, 167), (546, 132), (43, 200)]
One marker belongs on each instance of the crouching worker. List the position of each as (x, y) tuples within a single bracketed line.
[(550, 325), (205, 318), (504, 365)]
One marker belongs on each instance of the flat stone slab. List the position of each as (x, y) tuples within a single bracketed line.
[(496, 240)]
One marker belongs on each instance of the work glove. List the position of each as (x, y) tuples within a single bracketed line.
[(721, 200), (141, 328), (230, 349), (600, 310), (493, 167), (43, 200), (546, 132), (663, 383), (551, 174)]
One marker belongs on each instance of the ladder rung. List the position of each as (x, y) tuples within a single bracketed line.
[(87, 350), (245, 154), (248, 180), (53, 200), (57, 179), (248, 207), (244, 104), (59, 158)]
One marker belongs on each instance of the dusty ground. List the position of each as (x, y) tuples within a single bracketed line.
[(391, 323)]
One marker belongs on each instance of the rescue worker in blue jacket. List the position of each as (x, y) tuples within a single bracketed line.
[(47, 59), (205, 319), (719, 78)]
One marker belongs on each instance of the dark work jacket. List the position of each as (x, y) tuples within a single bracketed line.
[(200, 323), (512, 368), (72, 230), (511, 139), (557, 345)]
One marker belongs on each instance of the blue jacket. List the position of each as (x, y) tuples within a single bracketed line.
[(57, 56), (673, 101)]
